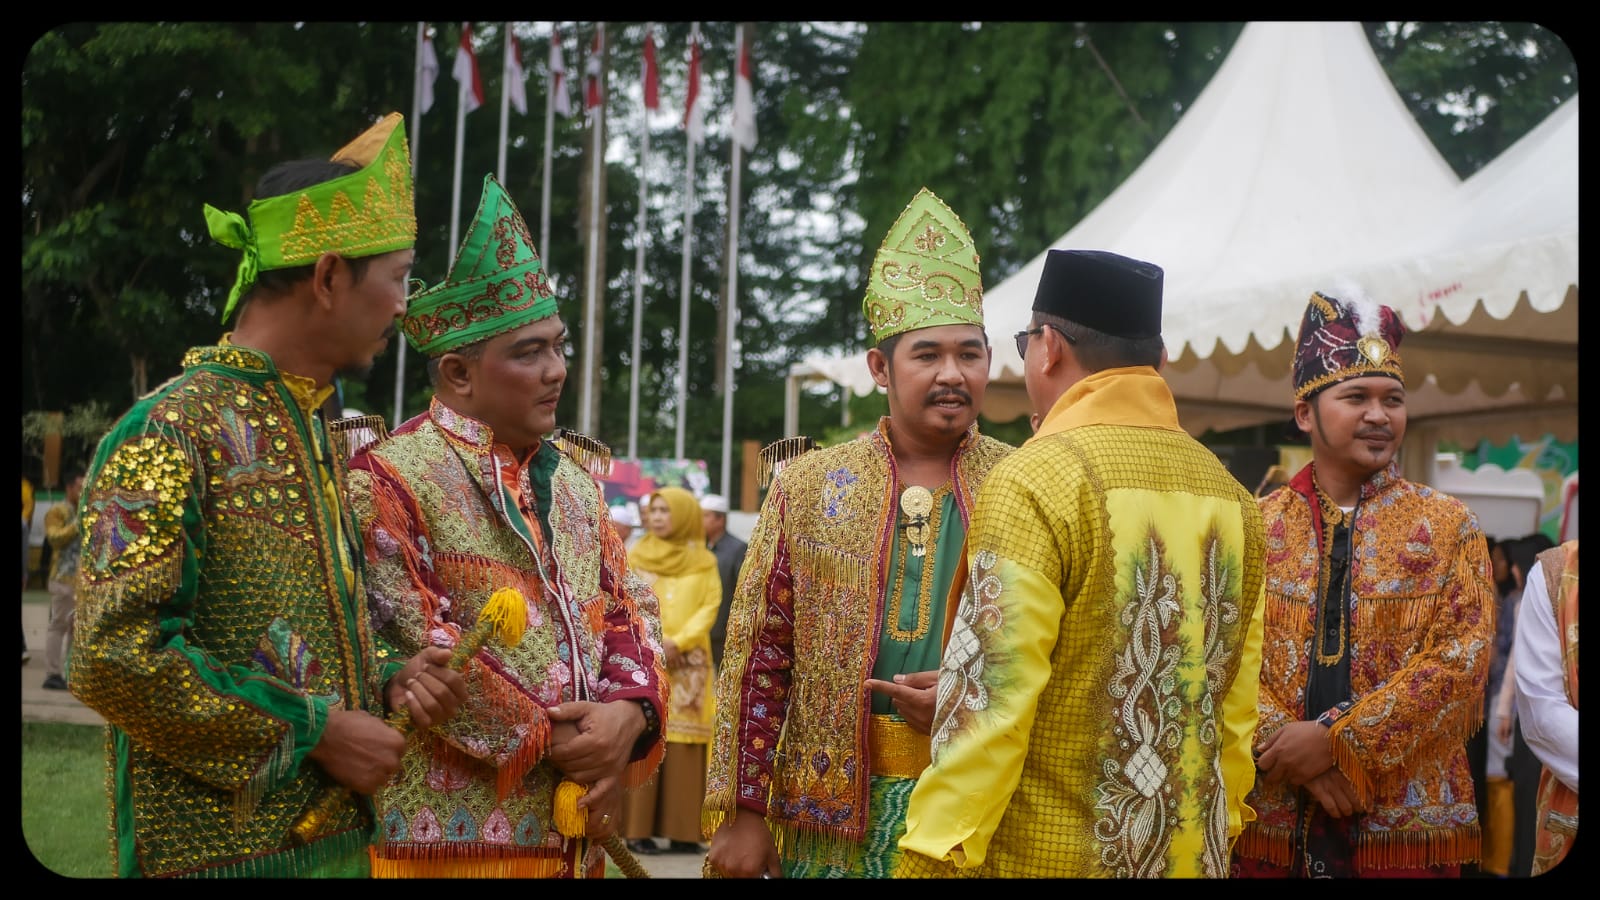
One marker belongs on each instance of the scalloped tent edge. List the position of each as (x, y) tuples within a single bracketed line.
[(1248, 215)]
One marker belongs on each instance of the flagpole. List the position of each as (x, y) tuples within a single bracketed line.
[(638, 272), (683, 296), (505, 104), (462, 87), (549, 134), (586, 398), (733, 292), (416, 142)]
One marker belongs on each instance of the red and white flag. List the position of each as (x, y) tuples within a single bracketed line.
[(694, 113), (428, 67), (591, 75), (558, 76), (744, 103), (465, 72), (652, 84), (516, 91)]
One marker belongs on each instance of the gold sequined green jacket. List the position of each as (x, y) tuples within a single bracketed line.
[(445, 515), (803, 633), (217, 625)]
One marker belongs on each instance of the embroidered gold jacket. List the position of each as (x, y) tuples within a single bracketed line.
[(218, 623), (803, 633), (444, 530), (1421, 627)]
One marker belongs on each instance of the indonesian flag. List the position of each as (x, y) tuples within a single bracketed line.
[(465, 72), (517, 92), (591, 75), (652, 85), (694, 113), (558, 76), (744, 104), (428, 66)]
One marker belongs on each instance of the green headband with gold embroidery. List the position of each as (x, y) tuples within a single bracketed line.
[(365, 213), (496, 283), (925, 273)]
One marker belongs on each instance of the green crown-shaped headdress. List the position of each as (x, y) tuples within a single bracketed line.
[(496, 283), (925, 273), (365, 213)]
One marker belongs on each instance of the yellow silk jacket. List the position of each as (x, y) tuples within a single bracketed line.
[(1097, 697)]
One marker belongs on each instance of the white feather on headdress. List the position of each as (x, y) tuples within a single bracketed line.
[(1365, 309)]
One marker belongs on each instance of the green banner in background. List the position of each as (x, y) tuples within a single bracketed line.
[(1550, 459)]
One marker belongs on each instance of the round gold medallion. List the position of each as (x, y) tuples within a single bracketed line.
[(916, 501)]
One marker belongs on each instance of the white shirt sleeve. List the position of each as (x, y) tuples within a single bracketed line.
[(1549, 723)]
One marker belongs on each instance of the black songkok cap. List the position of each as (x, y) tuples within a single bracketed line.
[(1102, 290)]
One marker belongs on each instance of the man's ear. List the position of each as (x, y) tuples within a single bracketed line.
[(878, 365), (1304, 415), (324, 276), (455, 372)]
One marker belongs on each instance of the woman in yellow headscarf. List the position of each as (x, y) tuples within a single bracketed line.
[(673, 558)]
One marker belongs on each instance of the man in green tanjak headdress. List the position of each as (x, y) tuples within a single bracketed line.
[(838, 617), (473, 497), (221, 624)]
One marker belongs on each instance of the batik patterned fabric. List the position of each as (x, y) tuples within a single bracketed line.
[(1420, 628), (446, 515), (1097, 694), (805, 629), (217, 625)]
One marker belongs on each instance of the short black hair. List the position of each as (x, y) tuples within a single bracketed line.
[(473, 350), (286, 178), (1096, 350)]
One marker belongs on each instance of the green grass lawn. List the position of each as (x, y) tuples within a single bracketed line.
[(64, 798)]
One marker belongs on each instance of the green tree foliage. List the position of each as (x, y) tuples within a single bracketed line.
[(1475, 87), (1022, 127)]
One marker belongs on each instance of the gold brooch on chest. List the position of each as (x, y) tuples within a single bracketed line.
[(916, 503)]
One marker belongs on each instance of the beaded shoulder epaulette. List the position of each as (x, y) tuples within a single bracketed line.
[(357, 433), (590, 453), (780, 453)]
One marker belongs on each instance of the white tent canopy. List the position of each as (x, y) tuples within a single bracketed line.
[(1299, 165)]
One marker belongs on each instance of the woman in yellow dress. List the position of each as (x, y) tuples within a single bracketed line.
[(672, 557)]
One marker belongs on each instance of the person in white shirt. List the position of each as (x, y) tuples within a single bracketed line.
[(1546, 677)]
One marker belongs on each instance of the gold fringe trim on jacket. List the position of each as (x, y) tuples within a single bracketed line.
[(453, 859), (780, 453), (589, 453), (844, 570), (824, 846), (1461, 725), (1412, 850), (357, 433), (1391, 614), (1269, 844), (1374, 850), (157, 579)]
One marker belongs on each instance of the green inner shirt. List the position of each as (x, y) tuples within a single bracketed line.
[(907, 644)]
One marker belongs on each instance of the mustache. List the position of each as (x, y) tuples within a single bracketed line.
[(390, 332), (1384, 433), (957, 393)]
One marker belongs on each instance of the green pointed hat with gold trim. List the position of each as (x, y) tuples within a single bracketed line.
[(497, 282), (925, 273), (365, 213)]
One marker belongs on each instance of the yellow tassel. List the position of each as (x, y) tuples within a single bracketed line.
[(571, 820), (507, 609)]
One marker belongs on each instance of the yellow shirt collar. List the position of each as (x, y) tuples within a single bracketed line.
[(1132, 395)]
